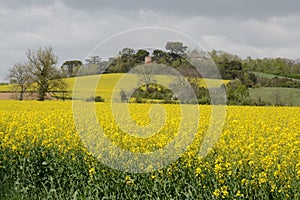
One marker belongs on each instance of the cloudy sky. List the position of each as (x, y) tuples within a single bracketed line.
[(256, 28)]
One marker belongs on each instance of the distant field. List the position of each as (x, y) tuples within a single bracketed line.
[(287, 96), (264, 75), (5, 88), (107, 82)]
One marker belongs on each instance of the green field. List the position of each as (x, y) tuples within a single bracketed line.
[(270, 76), (287, 96)]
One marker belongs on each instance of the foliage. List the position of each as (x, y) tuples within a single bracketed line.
[(95, 99), (44, 72), (236, 92), (123, 96), (93, 65), (96, 60), (230, 69), (176, 47), (42, 156), (276, 66), (128, 59), (71, 67), (152, 91), (273, 95), (278, 82)]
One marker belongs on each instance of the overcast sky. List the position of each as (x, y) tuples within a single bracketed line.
[(255, 28)]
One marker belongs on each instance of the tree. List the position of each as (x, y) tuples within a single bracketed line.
[(231, 69), (126, 52), (176, 47), (146, 75), (44, 71), (140, 55), (236, 92), (21, 78), (96, 60), (158, 55), (277, 98), (93, 65), (71, 67), (123, 96)]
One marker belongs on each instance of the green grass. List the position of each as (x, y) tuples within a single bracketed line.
[(287, 96), (270, 76)]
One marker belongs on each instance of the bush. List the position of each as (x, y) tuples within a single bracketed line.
[(95, 99)]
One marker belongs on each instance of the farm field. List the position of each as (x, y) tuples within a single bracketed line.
[(265, 75), (107, 83), (5, 88), (42, 155), (286, 96)]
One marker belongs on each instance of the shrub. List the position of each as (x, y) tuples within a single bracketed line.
[(95, 99)]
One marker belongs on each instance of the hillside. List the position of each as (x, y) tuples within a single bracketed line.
[(273, 95), (5, 88), (107, 83), (270, 76)]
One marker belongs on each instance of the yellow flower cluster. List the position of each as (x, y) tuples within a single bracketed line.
[(25, 125), (258, 147)]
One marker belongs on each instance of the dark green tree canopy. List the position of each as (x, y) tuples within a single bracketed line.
[(71, 67)]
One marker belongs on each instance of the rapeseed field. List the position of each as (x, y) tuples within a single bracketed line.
[(44, 154)]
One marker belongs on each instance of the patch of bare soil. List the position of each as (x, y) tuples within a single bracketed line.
[(6, 96)]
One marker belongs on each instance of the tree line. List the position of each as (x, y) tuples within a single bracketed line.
[(38, 74), (41, 74)]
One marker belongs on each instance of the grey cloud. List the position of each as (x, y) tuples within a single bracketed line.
[(17, 4), (73, 27), (210, 8)]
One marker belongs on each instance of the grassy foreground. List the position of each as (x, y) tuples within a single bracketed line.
[(43, 157)]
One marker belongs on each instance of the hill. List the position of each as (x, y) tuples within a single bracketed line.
[(107, 83), (275, 95), (5, 88), (270, 76)]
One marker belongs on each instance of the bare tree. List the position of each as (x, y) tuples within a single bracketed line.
[(290, 99), (146, 75), (44, 71), (21, 78), (203, 64), (277, 98)]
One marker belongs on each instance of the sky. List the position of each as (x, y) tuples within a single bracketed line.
[(73, 28)]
